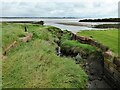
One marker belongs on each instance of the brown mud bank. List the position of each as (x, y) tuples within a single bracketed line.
[(76, 24)]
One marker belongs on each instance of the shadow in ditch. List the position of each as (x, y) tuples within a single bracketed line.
[(93, 65)]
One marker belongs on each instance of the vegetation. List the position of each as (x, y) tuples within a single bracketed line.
[(0, 38), (71, 47), (106, 37), (101, 20), (104, 20), (79, 46), (107, 26), (10, 33), (34, 64)]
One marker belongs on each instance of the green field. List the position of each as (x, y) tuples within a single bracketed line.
[(34, 64), (106, 37)]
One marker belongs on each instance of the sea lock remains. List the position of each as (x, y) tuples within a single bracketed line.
[(105, 63)]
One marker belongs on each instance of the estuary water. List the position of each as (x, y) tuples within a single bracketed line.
[(54, 22)]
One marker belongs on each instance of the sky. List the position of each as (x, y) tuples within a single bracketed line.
[(60, 8)]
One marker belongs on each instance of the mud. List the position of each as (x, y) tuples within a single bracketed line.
[(93, 66)]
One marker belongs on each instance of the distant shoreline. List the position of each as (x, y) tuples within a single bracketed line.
[(76, 24), (101, 20), (102, 26)]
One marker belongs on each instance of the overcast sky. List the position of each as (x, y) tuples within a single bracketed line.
[(60, 8)]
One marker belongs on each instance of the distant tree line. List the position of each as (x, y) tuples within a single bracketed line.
[(101, 20)]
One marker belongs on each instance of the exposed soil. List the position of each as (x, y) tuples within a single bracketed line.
[(93, 64), (94, 68)]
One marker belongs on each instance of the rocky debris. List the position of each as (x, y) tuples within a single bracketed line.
[(108, 53)]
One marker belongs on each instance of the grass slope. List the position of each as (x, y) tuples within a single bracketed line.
[(35, 64), (106, 37), (10, 33), (78, 46)]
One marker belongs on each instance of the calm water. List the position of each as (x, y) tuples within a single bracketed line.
[(54, 22)]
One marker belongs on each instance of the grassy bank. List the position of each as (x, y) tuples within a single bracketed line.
[(106, 37), (34, 64), (72, 47), (10, 33)]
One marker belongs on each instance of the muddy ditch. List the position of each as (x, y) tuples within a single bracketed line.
[(92, 63)]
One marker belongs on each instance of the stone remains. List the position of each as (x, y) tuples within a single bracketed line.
[(108, 54), (111, 65), (27, 38), (89, 41), (9, 47)]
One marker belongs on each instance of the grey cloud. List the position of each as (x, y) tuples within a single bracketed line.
[(63, 9)]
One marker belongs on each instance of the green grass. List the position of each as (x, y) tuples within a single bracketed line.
[(0, 38), (76, 47), (87, 48), (106, 37), (10, 33), (69, 45), (35, 64)]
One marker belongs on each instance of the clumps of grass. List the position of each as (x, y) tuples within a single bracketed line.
[(74, 47), (66, 36), (35, 64), (10, 33), (32, 66), (21, 35), (56, 32), (105, 37), (41, 34)]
